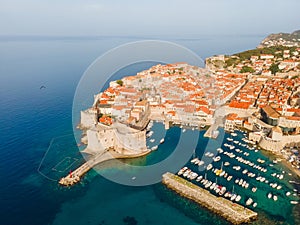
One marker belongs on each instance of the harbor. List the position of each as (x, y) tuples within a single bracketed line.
[(235, 170), (241, 173), (232, 212)]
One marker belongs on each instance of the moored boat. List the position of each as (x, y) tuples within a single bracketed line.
[(270, 195), (154, 148), (181, 171), (209, 167), (199, 178), (217, 159), (238, 198), (226, 164), (249, 201), (162, 141)]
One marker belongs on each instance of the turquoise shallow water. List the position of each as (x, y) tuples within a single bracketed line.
[(31, 118)]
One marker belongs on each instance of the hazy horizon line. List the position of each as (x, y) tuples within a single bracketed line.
[(12, 37)]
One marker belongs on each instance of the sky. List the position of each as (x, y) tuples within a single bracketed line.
[(184, 18)]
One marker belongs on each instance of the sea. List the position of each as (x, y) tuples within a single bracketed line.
[(39, 143)]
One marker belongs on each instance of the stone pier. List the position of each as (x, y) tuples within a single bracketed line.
[(76, 175), (232, 212)]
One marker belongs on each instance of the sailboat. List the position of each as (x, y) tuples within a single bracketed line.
[(233, 196), (214, 185), (204, 179), (220, 171)]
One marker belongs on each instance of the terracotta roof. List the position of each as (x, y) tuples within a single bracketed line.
[(240, 105), (272, 113), (141, 103), (277, 129)]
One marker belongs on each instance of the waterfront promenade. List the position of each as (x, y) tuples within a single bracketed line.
[(232, 212)]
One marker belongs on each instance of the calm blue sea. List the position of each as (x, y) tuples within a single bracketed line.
[(36, 126)]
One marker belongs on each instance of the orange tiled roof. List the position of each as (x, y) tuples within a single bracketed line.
[(240, 105)]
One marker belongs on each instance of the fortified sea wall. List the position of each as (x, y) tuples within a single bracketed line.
[(276, 146), (119, 137)]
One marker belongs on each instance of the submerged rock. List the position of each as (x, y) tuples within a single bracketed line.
[(129, 220)]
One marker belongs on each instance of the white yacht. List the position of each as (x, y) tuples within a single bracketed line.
[(233, 197), (212, 186), (181, 171), (220, 150), (194, 176), (194, 160), (208, 184), (238, 198), (245, 171), (241, 182), (200, 163), (217, 159), (207, 153), (149, 134), (222, 191), (222, 173), (270, 195), (154, 148), (249, 201), (226, 164), (210, 154), (229, 178), (233, 134), (162, 141), (209, 167)]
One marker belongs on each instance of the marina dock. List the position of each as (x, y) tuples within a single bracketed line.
[(232, 212)]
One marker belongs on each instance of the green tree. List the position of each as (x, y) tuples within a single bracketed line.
[(120, 82), (247, 69), (274, 68)]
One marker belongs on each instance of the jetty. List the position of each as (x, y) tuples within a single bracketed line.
[(232, 212), (75, 176), (212, 131)]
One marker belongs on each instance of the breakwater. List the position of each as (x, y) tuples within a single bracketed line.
[(230, 211), (76, 175)]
